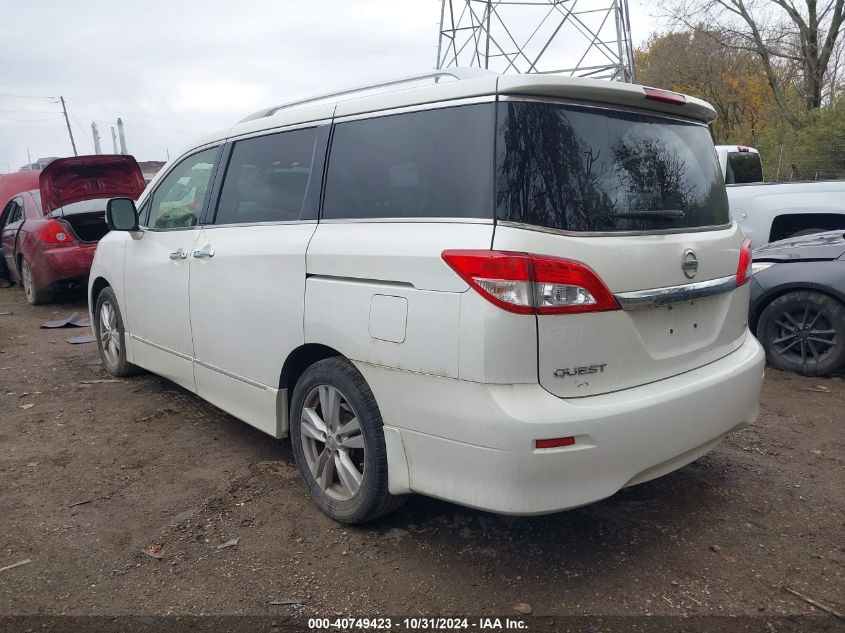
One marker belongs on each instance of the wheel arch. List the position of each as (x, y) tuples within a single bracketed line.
[(301, 359), (97, 287), (787, 224)]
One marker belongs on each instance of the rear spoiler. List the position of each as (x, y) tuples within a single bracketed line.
[(69, 180)]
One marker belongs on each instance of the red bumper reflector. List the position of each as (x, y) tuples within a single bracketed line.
[(555, 442)]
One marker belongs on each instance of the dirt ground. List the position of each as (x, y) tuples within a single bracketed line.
[(158, 467)]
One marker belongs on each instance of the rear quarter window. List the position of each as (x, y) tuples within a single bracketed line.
[(743, 168), (427, 164), (579, 168)]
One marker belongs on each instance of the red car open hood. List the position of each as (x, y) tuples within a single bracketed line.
[(68, 180)]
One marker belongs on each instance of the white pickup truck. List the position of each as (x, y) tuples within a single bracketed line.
[(773, 211)]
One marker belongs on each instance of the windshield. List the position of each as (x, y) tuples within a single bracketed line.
[(580, 168)]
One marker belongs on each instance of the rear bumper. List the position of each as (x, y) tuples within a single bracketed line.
[(53, 265), (473, 444)]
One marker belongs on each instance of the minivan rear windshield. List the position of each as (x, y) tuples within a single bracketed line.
[(581, 168)]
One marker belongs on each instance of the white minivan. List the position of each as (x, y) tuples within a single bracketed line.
[(516, 293)]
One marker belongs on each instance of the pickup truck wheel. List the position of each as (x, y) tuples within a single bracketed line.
[(804, 332), (111, 335), (34, 296), (804, 232), (337, 438)]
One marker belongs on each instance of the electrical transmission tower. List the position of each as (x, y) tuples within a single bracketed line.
[(580, 38)]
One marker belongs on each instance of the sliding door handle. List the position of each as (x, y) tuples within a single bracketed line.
[(207, 251)]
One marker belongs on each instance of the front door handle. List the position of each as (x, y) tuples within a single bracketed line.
[(177, 255), (206, 251)]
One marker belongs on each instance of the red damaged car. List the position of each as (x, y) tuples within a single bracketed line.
[(49, 234)]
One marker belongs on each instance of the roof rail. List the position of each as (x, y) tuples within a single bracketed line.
[(455, 73)]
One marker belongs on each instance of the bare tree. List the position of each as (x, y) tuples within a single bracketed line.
[(782, 33)]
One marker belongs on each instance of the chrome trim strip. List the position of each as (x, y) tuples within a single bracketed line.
[(431, 220), (147, 229), (656, 297), (160, 347), (229, 374), (544, 229), (247, 224), (363, 280), (430, 105)]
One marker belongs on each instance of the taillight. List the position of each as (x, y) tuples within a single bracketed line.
[(532, 284), (54, 232), (743, 270), (666, 96)]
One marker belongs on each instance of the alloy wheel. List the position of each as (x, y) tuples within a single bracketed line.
[(805, 335), (332, 442), (26, 278), (109, 333)]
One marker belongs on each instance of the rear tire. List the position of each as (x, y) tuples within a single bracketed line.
[(804, 332), (34, 296), (111, 335), (337, 438)]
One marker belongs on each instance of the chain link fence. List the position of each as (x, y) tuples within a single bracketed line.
[(789, 163)]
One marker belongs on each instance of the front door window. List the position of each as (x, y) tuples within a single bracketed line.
[(178, 200)]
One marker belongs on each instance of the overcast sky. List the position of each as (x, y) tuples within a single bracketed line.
[(174, 70)]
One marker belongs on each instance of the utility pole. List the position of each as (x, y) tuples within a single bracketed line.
[(96, 134), (121, 136), (113, 140), (69, 131)]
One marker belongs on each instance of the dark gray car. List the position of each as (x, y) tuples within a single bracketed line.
[(798, 302)]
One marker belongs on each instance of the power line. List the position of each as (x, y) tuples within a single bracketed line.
[(33, 111), (53, 99), (148, 127), (155, 116), (43, 119), (79, 125)]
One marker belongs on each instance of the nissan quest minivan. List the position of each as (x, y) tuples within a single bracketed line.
[(516, 293)]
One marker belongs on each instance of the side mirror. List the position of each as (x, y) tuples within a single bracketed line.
[(121, 214)]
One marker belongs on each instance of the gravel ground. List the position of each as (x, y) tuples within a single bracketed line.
[(155, 469)]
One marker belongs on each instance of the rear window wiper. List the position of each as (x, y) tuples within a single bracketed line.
[(672, 214)]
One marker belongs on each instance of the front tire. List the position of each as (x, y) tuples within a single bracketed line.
[(34, 296), (337, 437), (111, 335), (804, 332)]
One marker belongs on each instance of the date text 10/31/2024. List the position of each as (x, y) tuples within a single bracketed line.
[(416, 624)]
